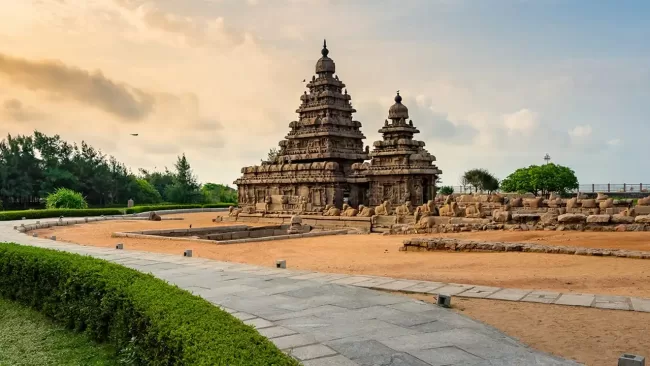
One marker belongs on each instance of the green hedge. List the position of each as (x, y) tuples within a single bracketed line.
[(148, 321), (43, 214)]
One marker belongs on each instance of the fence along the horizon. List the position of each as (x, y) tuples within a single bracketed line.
[(587, 188)]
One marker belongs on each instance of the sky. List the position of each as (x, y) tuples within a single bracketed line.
[(493, 84)]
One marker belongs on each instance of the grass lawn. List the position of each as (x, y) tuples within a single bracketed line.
[(29, 338)]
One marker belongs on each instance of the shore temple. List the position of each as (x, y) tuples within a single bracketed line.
[(322, 160)]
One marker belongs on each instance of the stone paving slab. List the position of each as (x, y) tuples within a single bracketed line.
[(509, 294), (545, 297), (575, 300), (338, 319)]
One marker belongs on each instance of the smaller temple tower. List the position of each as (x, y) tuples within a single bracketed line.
[(401, 169)]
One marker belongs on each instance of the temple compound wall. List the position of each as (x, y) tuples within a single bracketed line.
[(322, 165)]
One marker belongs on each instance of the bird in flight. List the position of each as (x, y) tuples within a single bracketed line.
[(134, 134), (303, 80)]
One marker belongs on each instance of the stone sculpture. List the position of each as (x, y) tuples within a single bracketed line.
[(605, 204), (366, 211), (405, 209), (383, 209), (154, 216), (330, 210), (474, 210), (517, 202), (295, 225), (349, 211), (534, 202), (572, 203)]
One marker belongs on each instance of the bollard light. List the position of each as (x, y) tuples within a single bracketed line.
[(444, 301), (281, 263), (631, 360), (187, 253)]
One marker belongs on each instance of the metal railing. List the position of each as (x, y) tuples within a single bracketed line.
[(586, 188)]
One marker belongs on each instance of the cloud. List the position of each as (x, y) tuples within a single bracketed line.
[(580, 132), (614, 142), (522, 122), (94, 89), (194, 31), (13, 109)]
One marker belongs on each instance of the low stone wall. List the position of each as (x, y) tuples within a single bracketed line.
[(458, 245), (316, 222)]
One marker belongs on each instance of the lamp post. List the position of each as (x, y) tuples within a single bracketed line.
[(547, 157)]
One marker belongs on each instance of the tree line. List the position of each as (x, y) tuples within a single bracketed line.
[(536, 179), (32, 167)]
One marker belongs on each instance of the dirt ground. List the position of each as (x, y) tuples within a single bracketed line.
[(594, 337), (378, 255)]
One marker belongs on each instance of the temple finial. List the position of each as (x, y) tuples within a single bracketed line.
[(325, 51), (398, 98)]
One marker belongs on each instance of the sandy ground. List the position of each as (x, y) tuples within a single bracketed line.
[(378, 255), (594, 337)]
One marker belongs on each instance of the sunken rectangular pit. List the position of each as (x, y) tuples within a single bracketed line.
[(231, 234)]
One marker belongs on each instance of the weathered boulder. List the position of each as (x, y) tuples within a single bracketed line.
[(621, 228), (605, 204), (524, 217), (549, 218), (517, 202), (501, 216), (622, 219), (598, 219), (571, 203), (533, 202), (602, 197), (644, 201), (642, 210), (642, 219), (571, 218), (589, 203)]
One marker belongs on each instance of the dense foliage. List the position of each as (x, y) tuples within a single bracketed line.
[(446, 190), (32, 167), (65, 198), (541, 180), (480, 180), (146, 320)]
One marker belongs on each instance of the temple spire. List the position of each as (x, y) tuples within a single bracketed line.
[(325, 51)]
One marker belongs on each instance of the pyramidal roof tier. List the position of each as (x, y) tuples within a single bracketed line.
[(325, 128), (398, 152)]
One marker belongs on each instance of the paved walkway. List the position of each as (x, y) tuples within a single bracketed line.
[(327, 319)]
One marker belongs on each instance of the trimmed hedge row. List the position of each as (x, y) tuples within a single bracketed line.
[(43, 214), (148, 321)]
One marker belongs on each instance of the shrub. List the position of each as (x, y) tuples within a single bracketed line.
[(446, 190), (65, 198), (43, 214), (148, 321)]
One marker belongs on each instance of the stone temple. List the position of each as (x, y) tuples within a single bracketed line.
[(322, 160)]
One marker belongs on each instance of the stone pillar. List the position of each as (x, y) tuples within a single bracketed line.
[(130, 203)]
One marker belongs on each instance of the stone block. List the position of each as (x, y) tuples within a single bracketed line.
[(119, 246), (598, 219), (642, 219), (444, 301), (631, 360), (35, 235), (642, 210), (620, 219), (53, 237), (571, 218), (281, 263), (187, 253)]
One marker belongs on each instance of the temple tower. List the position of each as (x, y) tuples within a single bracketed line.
[(316, 156), (401, 169), (325, 129)]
